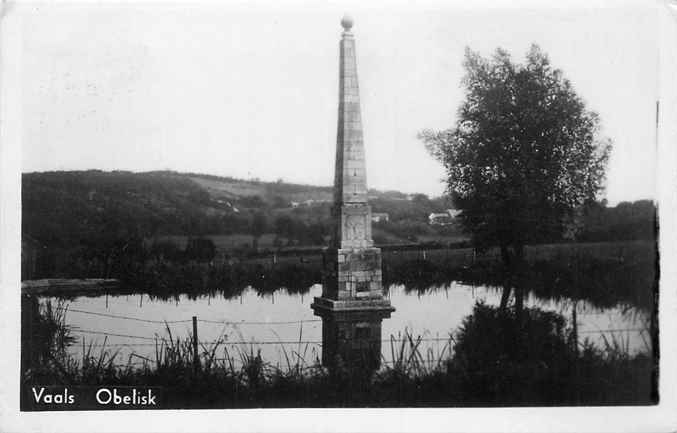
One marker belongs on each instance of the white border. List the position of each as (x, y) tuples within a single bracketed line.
[(661, 418)]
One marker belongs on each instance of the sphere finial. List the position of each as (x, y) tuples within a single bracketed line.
[(347, 22)]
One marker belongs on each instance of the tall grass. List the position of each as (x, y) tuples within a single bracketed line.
[(494, 358)]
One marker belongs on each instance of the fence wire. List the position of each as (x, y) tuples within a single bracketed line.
[(162, 341), (218, 322)]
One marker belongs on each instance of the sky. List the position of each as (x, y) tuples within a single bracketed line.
[(250, 90)]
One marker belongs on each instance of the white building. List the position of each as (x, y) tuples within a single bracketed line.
[(443, 218), (377, 217)]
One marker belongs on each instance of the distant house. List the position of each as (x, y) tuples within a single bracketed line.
[(453, 212), (236, 210), (439, 219), (443, 218), (378, 217)]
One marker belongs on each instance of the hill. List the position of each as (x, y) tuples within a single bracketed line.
[(100, 223), (66, 208), (274, 193)]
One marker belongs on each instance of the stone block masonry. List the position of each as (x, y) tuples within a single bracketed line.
[(352, 277), (353, 274)]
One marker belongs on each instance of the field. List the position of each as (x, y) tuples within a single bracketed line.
[(235, 188)]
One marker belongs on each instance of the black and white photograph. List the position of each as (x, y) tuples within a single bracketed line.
[(231, 206)]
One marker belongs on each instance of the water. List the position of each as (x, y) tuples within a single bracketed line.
[(276, 322)]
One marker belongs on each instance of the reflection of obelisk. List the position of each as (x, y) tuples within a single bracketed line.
[(352, 303)]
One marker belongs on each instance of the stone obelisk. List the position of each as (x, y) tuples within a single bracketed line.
[(352, 278)]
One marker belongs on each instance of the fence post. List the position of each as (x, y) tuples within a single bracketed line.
[(31, 318), (574, 319), (577, 372), (196, 359)]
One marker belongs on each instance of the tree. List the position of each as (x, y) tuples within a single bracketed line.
[(284, 226), (524, 154), (420, 199)]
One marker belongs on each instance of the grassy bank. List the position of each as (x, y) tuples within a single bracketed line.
[(497, 357), (605, 274)]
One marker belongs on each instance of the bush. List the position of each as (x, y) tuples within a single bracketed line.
[(501, 351)]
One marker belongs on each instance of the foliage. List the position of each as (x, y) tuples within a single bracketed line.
[(501, 351), (625, 221), (45, 336), (495, 358), (532, 358), (200, 249), (605, 275), (305, 232), (524, 154), (165, 250), (115, 224)]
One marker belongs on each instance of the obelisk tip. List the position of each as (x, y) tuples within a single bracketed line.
[(347, 22)]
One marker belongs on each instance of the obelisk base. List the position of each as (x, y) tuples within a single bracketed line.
[(352, 281), (352, 274), (373, 307)]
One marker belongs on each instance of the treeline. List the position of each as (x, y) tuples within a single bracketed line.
[(626, 221)]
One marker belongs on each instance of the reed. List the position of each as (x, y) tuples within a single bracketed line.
[(494, 358)]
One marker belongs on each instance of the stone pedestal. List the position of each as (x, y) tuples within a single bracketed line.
[(352, 338), (352, 307)]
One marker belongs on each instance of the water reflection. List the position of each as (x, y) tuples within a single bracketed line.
[(433, 314)]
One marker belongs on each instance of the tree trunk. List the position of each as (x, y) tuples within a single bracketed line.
[(519, 301), (505, 255), (518, 263), (505, 296), (519, 254)]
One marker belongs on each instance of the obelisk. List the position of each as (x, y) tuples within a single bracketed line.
[(352, 292)]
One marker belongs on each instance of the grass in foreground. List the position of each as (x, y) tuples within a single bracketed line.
[(496, 358)]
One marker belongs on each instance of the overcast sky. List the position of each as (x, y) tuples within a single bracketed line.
[(252, 91)]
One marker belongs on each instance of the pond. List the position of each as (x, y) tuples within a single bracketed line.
[(281, 324)]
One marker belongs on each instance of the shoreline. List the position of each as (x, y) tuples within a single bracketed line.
[(46, 285), (292, 269)]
